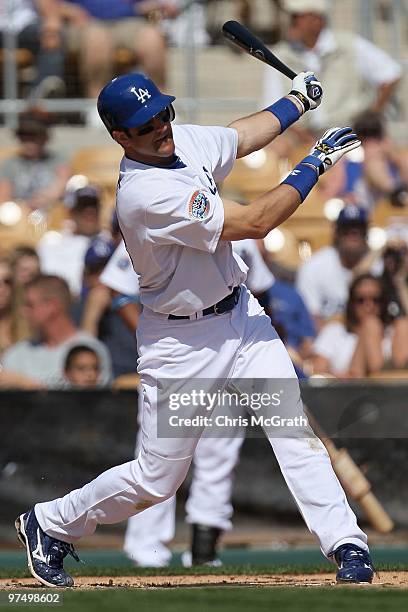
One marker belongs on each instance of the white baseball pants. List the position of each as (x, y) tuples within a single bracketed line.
[(236, 345), (208, 503)]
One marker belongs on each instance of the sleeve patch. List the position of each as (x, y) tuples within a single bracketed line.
[(199, 205)]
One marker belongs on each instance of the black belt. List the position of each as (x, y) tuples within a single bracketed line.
[(224, 305)]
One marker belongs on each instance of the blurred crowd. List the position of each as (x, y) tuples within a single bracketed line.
[(64, 323)]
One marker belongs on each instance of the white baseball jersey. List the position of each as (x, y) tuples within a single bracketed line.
[(118, 273), (120, 276), (172, 219)]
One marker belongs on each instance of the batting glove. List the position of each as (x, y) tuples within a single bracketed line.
[(334, 143), (308, 90)]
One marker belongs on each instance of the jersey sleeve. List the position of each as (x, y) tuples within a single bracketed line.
[(188, 217)]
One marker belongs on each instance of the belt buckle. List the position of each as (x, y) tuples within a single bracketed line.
[(216, 310)]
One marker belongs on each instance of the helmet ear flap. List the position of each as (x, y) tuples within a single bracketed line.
[(172, 112)]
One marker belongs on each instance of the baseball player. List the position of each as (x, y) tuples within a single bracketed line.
[(199, 322)]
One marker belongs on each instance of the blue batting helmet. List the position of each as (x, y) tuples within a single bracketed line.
[(130, 100)]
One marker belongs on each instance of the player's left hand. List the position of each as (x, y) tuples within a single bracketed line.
[(307, 89), (331, 147)]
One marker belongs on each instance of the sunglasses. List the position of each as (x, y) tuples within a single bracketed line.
[(362, 299), (25, 136), (352, 229), (164, 116)]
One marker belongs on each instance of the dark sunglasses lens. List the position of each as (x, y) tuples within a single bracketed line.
[(362, 300), (164, 116), (146, 129)]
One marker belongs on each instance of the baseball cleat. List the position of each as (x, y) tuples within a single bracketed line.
[(45, 554), (204, 545), (354, 563), (187, 561)]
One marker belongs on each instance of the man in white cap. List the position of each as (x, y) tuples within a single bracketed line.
[(356, 74)]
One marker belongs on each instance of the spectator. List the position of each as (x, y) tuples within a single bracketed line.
[(115, 229), (178, 31), (280, 299), (36, 25), (64, 254), (6, 281), (395, 277), (82, 367), (336, 343), (34, 174), (357, 75), (123, 282), (25, 266), (379, 170), (366, 341), (99, 316), (290, 312), (41, 360), (324, 279), (95, 298), (100, 26), (97, 256)]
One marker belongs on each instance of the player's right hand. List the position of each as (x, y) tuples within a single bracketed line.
[(334, 143), (308, 89)]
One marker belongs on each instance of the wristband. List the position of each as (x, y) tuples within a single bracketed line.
[(285, 111), (302, 99), (315, 162), (303, 178), (120, 301)]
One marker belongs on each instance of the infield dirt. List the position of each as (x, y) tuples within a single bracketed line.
[(386, 579)]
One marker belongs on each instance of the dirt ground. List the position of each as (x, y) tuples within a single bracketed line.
[(383, 579)]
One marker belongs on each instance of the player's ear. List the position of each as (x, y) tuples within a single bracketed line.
[(121, 137)]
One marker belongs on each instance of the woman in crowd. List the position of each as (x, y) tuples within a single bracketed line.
[(25, 266), (367, 341)]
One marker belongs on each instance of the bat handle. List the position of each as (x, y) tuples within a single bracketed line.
[(314, 91)]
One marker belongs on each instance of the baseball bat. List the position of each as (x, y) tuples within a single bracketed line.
[(353, 481), (246, 40)]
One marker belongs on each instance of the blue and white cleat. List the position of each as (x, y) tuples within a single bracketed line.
[(354, 563), (45, 554)]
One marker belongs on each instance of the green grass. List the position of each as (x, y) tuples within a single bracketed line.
[(234, 599), (238, 570), (240, 560)]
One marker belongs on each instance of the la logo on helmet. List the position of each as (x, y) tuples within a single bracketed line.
[(141, 94)]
